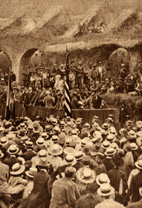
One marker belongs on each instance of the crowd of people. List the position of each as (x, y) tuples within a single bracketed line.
[(43, 87), (70, 164)]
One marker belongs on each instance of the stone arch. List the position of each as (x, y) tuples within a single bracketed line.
[(116, 58), (25, 61), (5, 60), (5, 66)]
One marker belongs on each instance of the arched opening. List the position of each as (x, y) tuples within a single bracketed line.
[(5, 66), (32, 61), (24, 64)]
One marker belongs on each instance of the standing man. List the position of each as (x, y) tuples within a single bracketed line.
[(65, 192), (106, 191)]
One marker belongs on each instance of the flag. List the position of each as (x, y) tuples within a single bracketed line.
[(67, 103), (9, 111)]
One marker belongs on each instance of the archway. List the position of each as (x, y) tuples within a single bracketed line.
[(5, 66), (25, 62)]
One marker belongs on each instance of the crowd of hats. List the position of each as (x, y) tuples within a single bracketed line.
[(70, 142)]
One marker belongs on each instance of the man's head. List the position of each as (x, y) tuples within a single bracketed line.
[(69, 172)]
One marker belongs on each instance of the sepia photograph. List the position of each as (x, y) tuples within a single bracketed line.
[(70, 104)]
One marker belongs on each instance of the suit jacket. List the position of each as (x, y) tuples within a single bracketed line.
[(135, 184), (135, 204), (116, 176), (29, 154), (4, 175), (39, 196)]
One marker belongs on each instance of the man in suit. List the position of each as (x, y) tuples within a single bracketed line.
[(137, 204), (136, 182)]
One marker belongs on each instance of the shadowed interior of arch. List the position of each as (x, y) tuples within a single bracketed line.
[(25, 61)]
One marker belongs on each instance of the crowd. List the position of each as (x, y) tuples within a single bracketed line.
[(91, 28), (70, 164), (44, 87)]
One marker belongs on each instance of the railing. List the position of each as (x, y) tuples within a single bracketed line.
[(86, 114)]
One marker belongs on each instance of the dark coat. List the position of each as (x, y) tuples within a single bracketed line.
[(29, 154), (39, 196), (108, 164), (135, 204), (11, 161), (88, 201), (115, 175), (135, 184)]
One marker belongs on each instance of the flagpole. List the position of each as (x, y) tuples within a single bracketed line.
[(7, 110), (67, 103)]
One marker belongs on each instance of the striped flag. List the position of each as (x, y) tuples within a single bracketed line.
[(9, 111), (67, 103)]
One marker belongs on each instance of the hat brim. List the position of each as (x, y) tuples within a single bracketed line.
[(2, 144), (18, 172), (69, 163), (98, 182), (55, 154), (28, 174), (13, 153), (107, 154), (105, 194), (66, 150), (139, 167), (1, 155), (87, 180)]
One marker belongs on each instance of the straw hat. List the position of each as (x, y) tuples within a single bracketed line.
[(139, 134), (105, 144), (42, 153), (105, 126), (110, 137), (110, 151), (78, 155), (17, 169), (114, 145), (2, 129), (22, 125), (69, 150), (134, 146), (55, 150), (85, 175), (1, 154), (131, 135), (78, 121), (55, 138), (13, 149), (31, 172), (102, 178), (29, 144), (44, 135), (21, 132), (3, 141), (24, 139), (40, 141), (105, 190), (69, 160), (84, 141), (10, 136), (138, 164)]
